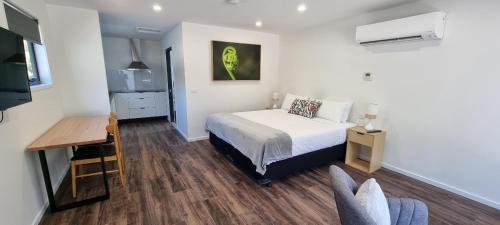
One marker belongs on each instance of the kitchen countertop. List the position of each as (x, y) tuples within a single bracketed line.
[(137, 91)]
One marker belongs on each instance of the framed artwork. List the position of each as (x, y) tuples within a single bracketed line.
[(235, 61)]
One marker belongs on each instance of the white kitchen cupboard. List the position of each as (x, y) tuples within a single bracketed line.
[(140, 104)]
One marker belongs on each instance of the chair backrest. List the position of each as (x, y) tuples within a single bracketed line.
[(350, 210), (113, 129), (113, 116)]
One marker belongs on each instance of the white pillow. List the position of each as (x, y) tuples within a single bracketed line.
[(371, 197), (289, 98), (334, 111)]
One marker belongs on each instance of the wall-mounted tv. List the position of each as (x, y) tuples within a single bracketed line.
[(14, 84)]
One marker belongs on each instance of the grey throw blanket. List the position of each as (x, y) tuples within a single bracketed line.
[(259, 143)]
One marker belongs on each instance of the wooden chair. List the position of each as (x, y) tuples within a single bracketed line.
[(113, 115), (113, 118), (87, 155)]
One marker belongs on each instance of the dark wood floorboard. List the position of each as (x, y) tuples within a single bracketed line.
[(170, 181)]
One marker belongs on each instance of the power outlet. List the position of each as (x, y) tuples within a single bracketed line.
[(367, 77)]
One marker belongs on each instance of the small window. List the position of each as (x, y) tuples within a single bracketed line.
[(33, 74)]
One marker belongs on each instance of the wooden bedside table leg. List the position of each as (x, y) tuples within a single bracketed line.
[(377, 152), (351, 153)]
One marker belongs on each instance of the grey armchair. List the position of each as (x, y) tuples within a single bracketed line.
[(404, 211)]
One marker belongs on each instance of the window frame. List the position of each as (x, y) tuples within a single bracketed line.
[(34, 64)]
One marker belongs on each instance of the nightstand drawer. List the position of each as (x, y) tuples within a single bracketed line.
[(360, 138)]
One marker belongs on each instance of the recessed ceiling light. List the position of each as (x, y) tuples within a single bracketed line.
[(302, 8), (233, 2), (157, 8), (258, 23)]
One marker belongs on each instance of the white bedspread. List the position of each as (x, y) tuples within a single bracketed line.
[(307, 134)]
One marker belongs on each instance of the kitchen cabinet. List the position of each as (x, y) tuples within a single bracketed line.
[(137, 105)]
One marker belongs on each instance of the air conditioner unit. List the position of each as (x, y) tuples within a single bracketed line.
[(422, 27)]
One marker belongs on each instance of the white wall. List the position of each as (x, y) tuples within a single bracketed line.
[(117, 56), (173, 39), (205, 96), (439, 99), (23, 194), (84, 85)]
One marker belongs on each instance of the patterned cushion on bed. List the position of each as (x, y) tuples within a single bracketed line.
[(305, 107)]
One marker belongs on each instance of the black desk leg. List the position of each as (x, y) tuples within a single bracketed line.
[(103, 166), (46, 179), (50, 192)]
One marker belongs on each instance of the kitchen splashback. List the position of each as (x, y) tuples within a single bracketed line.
[(117, 58)]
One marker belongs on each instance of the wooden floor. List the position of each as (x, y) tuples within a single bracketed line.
[(170, 181)]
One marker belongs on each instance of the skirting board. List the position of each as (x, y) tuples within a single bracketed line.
[(182, 133), (45, 206), (198, 138), (191, 139), (455, 190)]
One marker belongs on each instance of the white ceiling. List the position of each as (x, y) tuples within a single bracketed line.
[(120, 17)]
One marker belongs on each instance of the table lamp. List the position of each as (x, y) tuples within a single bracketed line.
[(371, 114), (276, 97)]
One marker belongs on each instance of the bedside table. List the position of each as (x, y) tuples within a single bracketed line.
[(357, 137)]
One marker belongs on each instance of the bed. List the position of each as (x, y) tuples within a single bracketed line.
[(303, 143)]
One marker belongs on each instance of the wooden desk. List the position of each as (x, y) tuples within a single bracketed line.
[(69, 132)]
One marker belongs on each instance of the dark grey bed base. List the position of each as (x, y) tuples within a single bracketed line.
[(281, 168)]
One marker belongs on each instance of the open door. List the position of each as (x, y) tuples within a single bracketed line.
[(170, 86)]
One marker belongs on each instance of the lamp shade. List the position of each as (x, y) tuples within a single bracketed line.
[(276, 95), (372, 110)]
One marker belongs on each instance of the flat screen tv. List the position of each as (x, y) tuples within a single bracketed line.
[(14, 83)]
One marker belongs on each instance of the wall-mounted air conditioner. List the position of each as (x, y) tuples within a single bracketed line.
[(422, 27)]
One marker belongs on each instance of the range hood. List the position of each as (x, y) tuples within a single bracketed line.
[(136, 63)]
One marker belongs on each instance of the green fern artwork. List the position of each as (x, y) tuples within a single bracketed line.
[(235, 61)]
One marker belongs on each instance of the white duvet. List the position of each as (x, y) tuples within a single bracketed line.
[(307, 135)]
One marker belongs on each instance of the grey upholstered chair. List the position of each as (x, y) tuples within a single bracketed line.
[(404, 211)]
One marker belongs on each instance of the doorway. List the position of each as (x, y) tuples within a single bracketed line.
[(170, 86)]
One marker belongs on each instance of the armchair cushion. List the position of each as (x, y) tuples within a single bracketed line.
[(373, 200)]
